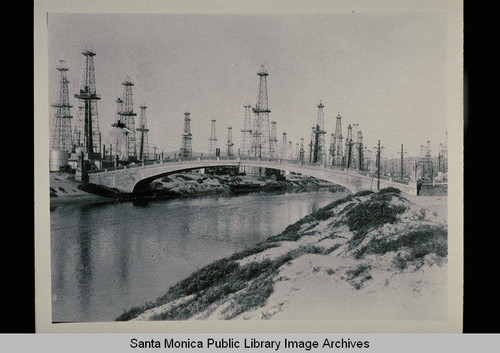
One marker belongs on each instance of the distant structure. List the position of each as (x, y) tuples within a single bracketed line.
[(86, 135), (186, 137), (318, 135), (331, 150), (127, 115), (212, 140), (261, 133), (338, 148), (246, 141), (428, 165), (443, 158), (143, 134), (273, 141), (348, 148), (354, 149), (301, 150), (122, 136), (60, 137), (283, 146), (359, 151), (229, 143)]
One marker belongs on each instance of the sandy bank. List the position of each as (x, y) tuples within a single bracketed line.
[(378, 256)]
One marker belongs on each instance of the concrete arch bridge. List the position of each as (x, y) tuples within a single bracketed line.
[(135, 178)]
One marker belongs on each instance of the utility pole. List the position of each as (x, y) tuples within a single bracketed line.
[(378, 165), (402, 160)]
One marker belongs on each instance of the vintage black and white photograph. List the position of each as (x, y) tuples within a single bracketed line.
[(250, 166)]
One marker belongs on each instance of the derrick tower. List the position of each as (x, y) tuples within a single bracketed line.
[(60, 138), (301, 150), (318, 154), (87, 134), (273, 141), (338, 148), (283, 146), (229, 143), (354, 148), (186, 137), (331, 150), (143, 133), (359, 151), (348, 148), (127, 116), (246, 142), (261, 133), (123, 134), (212, 140)]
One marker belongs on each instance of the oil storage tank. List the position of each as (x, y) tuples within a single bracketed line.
[(58, 159)]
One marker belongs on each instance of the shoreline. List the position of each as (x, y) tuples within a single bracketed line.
[(65, 191)]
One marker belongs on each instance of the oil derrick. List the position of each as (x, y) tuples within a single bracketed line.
[(338, 148), (290, 150), (127, 117), (301, 150), (143, 133), (229, 141), (61, 124), (331, 149), (354, 149), (212, 140), (359, 151), (86, 133), (186, 137), (283, 146), (428, 166), (318, 154), (118, 124), (246, 142), (273, 141), (443, 155), (348, 150), (261, 133)]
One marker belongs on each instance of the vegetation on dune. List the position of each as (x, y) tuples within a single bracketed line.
[(219, 280), (374, 212), (243, 287)]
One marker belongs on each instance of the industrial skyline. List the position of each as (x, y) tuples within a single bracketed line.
[(385, 72)]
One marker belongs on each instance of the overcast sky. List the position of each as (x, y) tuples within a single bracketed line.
[(385, 72)]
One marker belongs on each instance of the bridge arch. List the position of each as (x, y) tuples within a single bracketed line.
[(135, 178), (142, 184)]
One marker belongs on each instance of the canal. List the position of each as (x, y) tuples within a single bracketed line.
[(108, 258)]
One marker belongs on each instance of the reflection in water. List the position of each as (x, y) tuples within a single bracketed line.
[(108, 258)]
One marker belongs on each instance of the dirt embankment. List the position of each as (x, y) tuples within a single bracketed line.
[(368, 256)]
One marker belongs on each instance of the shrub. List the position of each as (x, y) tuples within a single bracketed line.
[(364, 193), (365, 216), (419, 243)]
